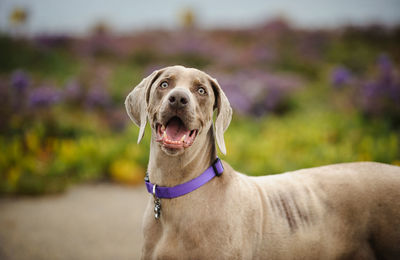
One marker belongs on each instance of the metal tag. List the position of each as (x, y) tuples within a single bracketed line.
[(157, 204), (157, 208)]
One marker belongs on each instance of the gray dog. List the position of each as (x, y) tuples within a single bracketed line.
[(342, 211)]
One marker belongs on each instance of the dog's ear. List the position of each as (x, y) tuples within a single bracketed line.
[(137, 101), (224, 114)]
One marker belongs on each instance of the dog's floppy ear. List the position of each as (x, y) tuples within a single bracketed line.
[(224, 114), (136, 102)]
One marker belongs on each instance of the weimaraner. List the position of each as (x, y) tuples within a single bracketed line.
[(341, 211)]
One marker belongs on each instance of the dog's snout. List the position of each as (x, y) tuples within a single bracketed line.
[(178, 99)]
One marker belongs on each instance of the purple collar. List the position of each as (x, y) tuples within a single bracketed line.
[(216, 169)]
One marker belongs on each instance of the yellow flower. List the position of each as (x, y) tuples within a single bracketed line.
[(188, 18), (18, 16), (13, 176), (32, 141), (68, 150), (126, 171), (396, 162)]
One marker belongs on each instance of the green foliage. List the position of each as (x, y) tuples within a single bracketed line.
[(87, 135), (54, 64), (303, 140), (122, 77), (38, 164)]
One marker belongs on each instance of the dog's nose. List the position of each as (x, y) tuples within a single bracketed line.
[(178, 99)]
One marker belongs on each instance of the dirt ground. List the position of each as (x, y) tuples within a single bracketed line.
[(96, 221)]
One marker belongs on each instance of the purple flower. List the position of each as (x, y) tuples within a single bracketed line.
[(273, 98), (50, 41), (73, 90), (262, 54), (239, 101), (385, 64), (20, 80), (340, 76), (44, 96), (97, 97), (381, 96), (151, 68), (257, 92)]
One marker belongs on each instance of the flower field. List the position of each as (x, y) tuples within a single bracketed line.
[(301, 98)]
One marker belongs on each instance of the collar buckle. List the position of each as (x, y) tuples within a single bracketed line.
[(214, 165)]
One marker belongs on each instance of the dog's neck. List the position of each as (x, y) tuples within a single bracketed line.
[(166, 170)]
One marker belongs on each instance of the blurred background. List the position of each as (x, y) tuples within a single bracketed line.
[(310, 82)]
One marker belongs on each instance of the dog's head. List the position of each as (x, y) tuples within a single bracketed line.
[(179, 103)]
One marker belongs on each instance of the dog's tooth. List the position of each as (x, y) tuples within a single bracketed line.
[(183, 138), (162, 128), (165, 135)]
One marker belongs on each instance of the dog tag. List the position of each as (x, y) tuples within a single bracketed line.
[(157, 208), (157, 204)]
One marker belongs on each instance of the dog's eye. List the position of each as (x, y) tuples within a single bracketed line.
[(201, 91), (164, 84)]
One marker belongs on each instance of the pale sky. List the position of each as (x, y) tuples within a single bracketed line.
[(77, 16)]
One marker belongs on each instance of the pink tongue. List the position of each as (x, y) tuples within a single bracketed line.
[(175, 129)]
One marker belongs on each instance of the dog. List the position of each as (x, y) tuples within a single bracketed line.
[(341, 211)]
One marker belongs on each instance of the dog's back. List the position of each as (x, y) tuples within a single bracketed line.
[(349, 211)]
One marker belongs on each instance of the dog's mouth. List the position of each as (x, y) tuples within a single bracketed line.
[(175, 134)]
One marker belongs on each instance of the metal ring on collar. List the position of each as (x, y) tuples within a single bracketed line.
[(154, 191)]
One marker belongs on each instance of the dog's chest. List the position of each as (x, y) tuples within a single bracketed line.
[(199, 234)]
